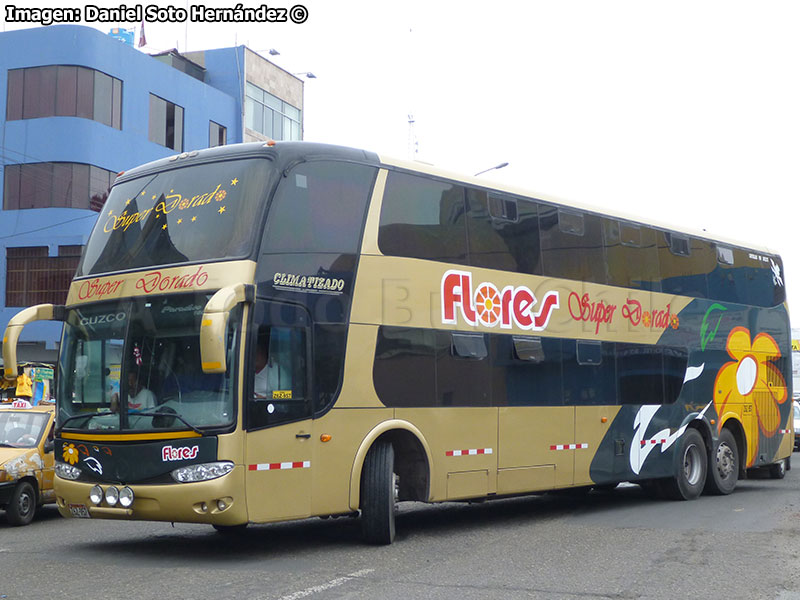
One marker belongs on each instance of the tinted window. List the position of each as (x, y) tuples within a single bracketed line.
[(460, 380), (329, 343), (404, 370), (675, 361), (423, 218), (641, 374), (181, 215), (631, 255), (746, 277), (503, 233), (319, 207), (526, 371), (279, 357), (593, 379), (572, 245), (14, 98), (684, 264)]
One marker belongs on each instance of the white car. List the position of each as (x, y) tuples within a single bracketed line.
[(796, 425)]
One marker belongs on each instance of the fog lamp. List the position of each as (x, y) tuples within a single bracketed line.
[(96, 495), (112, 496), (125, 497)]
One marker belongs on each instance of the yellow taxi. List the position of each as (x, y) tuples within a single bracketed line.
[(26, 459)]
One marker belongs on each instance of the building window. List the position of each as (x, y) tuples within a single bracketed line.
[(64, 185), (64, 91), (217, 134), (33, 277), (166, 123), (271, 116)]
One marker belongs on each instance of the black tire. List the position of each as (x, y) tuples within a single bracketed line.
[(22, 506), (377, 495), (778, 470), (723, 465), (691, 467)]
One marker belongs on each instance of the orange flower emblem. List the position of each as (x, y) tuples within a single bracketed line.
[(751, 378), (70, 453)]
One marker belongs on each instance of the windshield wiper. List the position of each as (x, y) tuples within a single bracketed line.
[(168, 414), (2, 445), (84, 416)]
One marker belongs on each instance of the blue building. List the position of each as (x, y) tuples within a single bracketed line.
[(77, 107)]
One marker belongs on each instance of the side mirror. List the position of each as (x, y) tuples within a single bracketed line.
[(214, 324), (40, 312), (49, 446)]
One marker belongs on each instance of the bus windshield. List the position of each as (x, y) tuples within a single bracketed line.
[(189, 214), (135, 365)]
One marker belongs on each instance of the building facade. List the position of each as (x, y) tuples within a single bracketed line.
[(76, 108)]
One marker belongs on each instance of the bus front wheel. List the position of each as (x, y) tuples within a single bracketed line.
[(378, 495), (690, 476), (723, 465)]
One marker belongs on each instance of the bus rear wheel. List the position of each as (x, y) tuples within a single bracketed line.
[(723, 465), (378, 495), (690, 477)]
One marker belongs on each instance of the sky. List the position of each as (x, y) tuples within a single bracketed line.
[(681, 112)]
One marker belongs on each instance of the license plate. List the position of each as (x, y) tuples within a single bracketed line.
[(79, 511)]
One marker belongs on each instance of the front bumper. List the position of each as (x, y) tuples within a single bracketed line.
[(179, 502), (6, 491)]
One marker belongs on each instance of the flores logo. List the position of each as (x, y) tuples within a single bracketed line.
[(168, 453), (489, 306)]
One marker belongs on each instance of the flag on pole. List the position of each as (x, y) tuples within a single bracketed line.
[(142, 39)]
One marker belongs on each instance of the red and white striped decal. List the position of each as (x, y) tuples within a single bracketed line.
[(280, 466), (653, 442), (569, 446), (784, 431), (470, 452)]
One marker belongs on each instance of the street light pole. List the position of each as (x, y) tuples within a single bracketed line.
[(500, 166)]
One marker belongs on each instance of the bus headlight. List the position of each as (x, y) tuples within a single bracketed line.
[(66, 471), (203, 472)]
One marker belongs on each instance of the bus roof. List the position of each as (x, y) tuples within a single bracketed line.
[(290, 152)]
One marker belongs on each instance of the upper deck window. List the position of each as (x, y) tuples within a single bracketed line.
[(423, 218), (194, 213), (319, 207)]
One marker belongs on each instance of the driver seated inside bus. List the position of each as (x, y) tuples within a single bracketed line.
[(270, 374), (139, 397)]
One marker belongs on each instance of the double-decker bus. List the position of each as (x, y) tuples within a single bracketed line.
[(265, 332)]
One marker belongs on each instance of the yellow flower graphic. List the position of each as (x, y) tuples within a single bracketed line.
[(751, 378), (70, 454)]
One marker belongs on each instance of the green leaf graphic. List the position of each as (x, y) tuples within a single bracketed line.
[(705, 335)]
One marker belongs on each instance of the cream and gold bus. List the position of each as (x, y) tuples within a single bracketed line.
[(264, 332)]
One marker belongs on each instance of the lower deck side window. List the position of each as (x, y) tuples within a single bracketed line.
[(424, 367)]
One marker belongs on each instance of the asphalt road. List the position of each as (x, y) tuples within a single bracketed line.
[(619, 544)]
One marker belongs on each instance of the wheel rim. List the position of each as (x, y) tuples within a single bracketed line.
[(692, 467), (24, 504), (726, 461)]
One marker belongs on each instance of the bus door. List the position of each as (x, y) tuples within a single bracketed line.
[(278, 446)]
